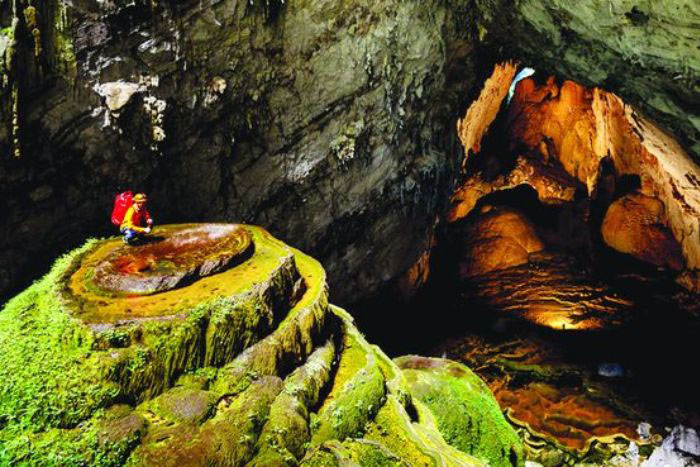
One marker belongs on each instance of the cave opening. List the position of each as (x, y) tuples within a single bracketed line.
[(564, 271)]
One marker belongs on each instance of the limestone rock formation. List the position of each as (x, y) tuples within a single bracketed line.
[(551, 290), (585, 127), (497, 239), (566, 137), (645, 52), (247, 366), (330, 123), (634, 225)]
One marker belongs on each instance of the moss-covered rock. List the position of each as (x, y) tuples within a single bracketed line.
[(250, 365), (468, 415)]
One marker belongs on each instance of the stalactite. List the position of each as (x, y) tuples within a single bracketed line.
[(16, 145), (10, 81), (32, 22)]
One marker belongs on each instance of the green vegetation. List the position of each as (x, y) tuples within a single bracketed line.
[(251, 365), (467, 414)]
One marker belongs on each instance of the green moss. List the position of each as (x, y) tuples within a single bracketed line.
[(226, 439), (64, 58), (286, 433), (352, 452), (201, 383), (392, 428), (467, 414), (293, 339), (49, 377), (356, 394), (183, 405)]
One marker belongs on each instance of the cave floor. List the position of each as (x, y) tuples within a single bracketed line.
[(575, 396)]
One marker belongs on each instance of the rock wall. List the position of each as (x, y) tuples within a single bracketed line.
[(646, 52), (329, 123)]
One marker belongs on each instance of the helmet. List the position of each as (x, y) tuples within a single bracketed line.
[(140, 197)]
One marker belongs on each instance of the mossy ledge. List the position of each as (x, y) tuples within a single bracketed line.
[(250, 365)]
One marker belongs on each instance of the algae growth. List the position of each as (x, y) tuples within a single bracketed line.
[(248, 365)]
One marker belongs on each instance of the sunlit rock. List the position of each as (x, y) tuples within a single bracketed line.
[(482, 112), (634, 225), (499, 238)]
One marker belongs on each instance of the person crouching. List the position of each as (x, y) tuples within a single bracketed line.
[(136, 216)]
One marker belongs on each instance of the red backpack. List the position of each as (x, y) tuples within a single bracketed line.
[(122, 202)]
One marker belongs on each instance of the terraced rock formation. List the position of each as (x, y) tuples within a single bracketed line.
[(247, 366)]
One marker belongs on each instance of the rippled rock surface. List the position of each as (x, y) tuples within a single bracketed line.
[(165, 260), (551, 290), (249, 365)]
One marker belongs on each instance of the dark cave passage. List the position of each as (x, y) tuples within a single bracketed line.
[(529, 287)]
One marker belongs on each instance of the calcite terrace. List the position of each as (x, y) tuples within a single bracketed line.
[(248, 365)]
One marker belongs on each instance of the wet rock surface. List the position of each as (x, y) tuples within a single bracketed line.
[(564, 411), (170, 257)]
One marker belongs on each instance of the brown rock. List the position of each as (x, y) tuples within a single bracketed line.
[(170, 258), (498, 239), (573, 128), (634, 225)]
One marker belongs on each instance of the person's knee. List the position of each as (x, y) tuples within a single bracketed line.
[(129, 235)]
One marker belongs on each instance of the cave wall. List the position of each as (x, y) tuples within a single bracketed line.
[(646, 52), (329, 123)]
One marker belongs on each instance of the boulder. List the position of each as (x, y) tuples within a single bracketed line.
[(499, 238), (634, 224)]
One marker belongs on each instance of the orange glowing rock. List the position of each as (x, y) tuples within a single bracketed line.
[(552, 186), (498, 239), (472, 128), (553, 291), (560, 119), (576, 128), (634, 225), (563, 415), (580, 127)]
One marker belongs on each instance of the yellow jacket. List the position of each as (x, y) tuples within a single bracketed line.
[(134, 218)]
